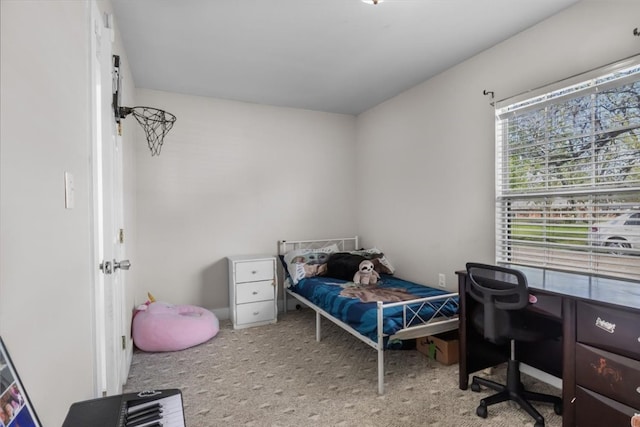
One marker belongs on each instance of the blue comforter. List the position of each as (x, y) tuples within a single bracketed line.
[(324, 292)]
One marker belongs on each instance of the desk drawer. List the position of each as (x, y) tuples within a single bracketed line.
[(614, 329), (547, 305), (594, 410), (615, 376)]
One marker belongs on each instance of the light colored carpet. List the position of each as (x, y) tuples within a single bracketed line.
[(278, 375)]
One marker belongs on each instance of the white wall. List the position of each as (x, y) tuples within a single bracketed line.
[(233, 178), (426, 164), (46, 250)]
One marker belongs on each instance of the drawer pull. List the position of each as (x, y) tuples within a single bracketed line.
[(255, 313), (605, 326), (573, 400), (638, 389), (254, 271), (255, 292)]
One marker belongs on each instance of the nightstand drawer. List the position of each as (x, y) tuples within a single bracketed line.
[(255, 312), (254, 271), (615, 376), (613, 329), (594, 410), (255, 291)]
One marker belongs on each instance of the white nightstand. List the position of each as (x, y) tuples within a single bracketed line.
[(253, 288)]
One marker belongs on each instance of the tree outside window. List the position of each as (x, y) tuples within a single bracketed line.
[(568, 177)]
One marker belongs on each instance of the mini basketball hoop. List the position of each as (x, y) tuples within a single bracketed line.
[(155, 122)]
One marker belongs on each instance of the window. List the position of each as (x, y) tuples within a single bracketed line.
[(568, 175)]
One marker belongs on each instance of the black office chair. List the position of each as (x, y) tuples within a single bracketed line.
[(501, 317)]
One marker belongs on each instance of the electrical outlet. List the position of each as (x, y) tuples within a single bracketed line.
[(442, 282)]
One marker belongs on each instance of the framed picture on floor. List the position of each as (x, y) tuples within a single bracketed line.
[(15, 407)]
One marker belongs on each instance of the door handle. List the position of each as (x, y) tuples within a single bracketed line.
[(106, 267), (122, 265)]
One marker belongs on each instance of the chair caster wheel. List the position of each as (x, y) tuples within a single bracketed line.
[(557, 408), (539, 424), (475, 387), (482, 412)]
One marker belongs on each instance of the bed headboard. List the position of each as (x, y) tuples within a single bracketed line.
[(344, 244)]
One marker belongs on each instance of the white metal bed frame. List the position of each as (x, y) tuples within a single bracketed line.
[(436, 324)]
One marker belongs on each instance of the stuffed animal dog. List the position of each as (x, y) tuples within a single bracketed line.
[(366, 275)]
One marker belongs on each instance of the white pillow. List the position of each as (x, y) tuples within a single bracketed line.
[(298, 261)]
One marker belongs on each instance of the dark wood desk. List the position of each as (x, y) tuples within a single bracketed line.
[(585, 306)]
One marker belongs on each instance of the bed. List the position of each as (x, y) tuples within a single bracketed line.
[(393, 309)]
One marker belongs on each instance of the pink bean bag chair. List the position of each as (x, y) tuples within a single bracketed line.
[(159, 326)]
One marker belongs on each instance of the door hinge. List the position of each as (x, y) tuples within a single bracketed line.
[(124, 342)]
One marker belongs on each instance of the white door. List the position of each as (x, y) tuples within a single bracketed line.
[(110, 351)]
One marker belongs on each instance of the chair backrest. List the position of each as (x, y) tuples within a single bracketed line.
[(498, 289)]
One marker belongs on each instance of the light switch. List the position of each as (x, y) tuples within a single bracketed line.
[(69, 191)]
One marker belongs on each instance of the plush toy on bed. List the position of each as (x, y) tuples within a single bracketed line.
[(366, 275)]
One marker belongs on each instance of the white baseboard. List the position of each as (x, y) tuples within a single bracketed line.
[(541, 375)]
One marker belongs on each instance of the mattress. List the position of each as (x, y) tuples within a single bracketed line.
[(327, 294)]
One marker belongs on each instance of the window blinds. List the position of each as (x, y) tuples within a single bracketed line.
[(568, 175)]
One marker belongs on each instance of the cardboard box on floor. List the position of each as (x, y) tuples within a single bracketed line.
[(446, 347)]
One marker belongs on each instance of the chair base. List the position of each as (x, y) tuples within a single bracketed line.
[(514, 391)]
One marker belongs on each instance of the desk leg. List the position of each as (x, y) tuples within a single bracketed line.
[(463, 378), (568, 362)]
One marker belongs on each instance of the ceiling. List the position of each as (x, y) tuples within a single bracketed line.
[(340, 56)]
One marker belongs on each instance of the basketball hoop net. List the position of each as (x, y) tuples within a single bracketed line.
[(155, 122)]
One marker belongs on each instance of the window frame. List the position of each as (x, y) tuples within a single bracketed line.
[(532, 226)]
